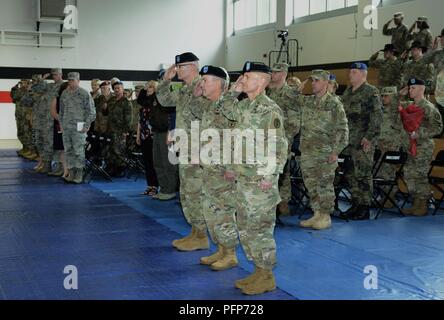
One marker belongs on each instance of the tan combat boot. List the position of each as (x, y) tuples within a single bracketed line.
[(178, 241), (57, 171), (78, 177), (324, 222), (418, 209), (45, 168), (309, 223), (71, 175), (283, 209), (241, 283), (228, 261), (197, 242), (208, 261), (262, 283)]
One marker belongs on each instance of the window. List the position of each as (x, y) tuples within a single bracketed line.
[(297, 9), (253, 13)]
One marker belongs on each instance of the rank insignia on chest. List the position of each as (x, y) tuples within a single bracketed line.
[(277, 123), (231, 124)]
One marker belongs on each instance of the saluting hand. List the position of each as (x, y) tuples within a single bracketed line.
[(333, 158), (366, 145), (436, 43), (302, 85), (170, 73)]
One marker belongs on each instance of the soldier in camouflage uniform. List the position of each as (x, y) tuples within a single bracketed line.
[(119, 127), (417, 167), (77, 112), (48, 154), (390, 136), (95, 88), (28, 101), (418, 68), (332, 85), (188, 109), (101, 104), (281, 93), (436, 57), (362, 105), (17, 93), (257, 181), (39, 116), (324, 134), (423, 34), (389, 68), (219, 205), (399, 33)]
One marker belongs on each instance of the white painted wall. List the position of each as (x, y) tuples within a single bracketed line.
[(332, 40), (124, 35), (116, 35)]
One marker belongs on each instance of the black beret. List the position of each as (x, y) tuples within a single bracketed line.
[(186, 57), (214, 71), (118, 83), (417, 44), (104, 83), (416, 82), (389, 47), (256, 67)]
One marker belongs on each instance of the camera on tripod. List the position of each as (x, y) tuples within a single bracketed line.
[(283, 35)]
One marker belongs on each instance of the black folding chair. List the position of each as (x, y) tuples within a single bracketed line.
[(94, 161), (133, 159), (437, 181), (341, 184), (383, 187)]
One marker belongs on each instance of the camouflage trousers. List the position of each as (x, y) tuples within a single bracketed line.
[(74, 143), (256, 217), (27, 128), (360, 175), (20, 120), (116, 150), (219, 206), (416, 170), (48, 141), (285, 180), (190, 176), (318, 179)]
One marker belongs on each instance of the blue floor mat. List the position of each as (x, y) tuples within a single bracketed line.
[(407, 251), (119, 253), (121, 244)]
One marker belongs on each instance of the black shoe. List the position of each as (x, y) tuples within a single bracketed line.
[(363, 213)]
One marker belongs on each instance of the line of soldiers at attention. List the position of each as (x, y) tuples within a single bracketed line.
[(53, 120)]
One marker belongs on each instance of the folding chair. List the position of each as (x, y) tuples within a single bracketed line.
[(436, 180), (93, 156), (341, 185), (383, 187)]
